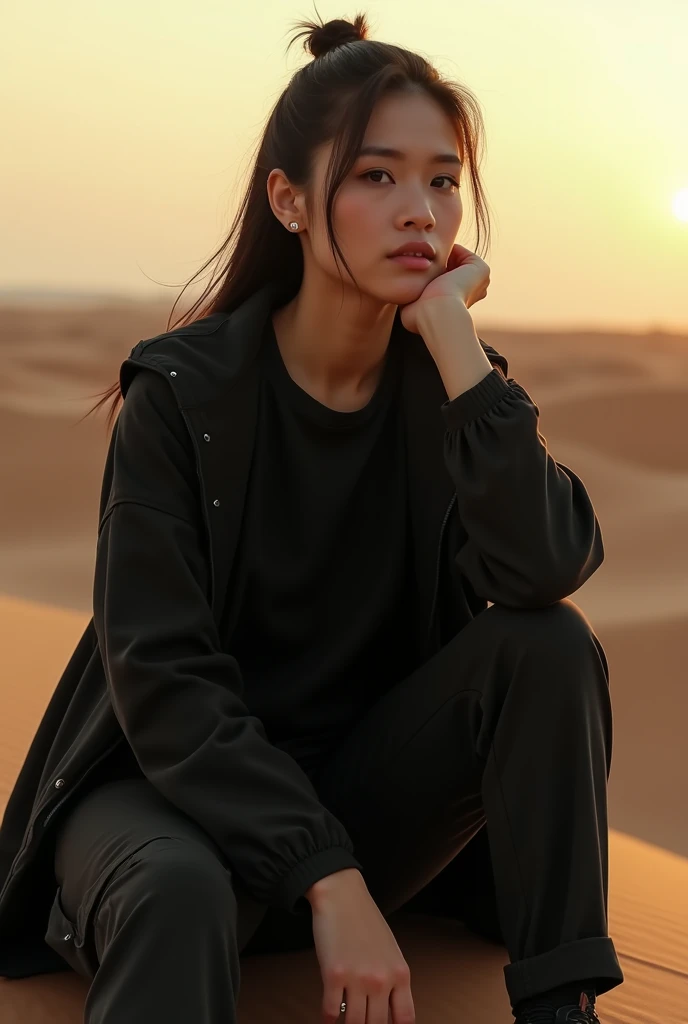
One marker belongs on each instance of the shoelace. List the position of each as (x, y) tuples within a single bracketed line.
[(586, 1016)]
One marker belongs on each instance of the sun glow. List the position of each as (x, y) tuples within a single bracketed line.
[(680, 205)]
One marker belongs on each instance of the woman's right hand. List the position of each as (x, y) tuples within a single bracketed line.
[(360, 961)]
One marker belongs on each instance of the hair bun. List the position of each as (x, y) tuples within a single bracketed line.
[(337, 32)]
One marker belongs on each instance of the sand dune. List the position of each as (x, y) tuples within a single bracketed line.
[(645, 426), (614, 409)]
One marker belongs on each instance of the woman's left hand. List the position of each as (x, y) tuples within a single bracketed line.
[(466, 277)]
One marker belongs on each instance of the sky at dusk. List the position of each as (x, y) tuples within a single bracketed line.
[(129, 129)]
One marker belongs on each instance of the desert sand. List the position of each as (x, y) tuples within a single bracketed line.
[(613, 408)]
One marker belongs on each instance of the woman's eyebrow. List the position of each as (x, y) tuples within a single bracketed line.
[(439, 158)]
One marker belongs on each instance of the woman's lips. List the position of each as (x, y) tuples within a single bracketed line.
[(412, 262)]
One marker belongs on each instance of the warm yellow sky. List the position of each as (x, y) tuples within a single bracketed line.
[(127, 127)]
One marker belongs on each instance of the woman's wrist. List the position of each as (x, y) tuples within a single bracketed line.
[(346, 880)]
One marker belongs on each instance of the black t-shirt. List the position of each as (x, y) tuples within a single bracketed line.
[(320, 597)]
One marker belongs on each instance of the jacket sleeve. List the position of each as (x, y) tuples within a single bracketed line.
[(176, 693), (532, 534)]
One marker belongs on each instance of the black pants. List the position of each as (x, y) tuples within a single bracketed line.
[(476, 787)]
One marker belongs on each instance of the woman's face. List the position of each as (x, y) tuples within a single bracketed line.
[(386, 201)]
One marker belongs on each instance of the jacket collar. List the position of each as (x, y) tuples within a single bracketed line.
[(217, 387)]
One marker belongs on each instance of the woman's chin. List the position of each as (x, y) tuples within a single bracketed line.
[(407, 288), (402, 297), (402, 292)]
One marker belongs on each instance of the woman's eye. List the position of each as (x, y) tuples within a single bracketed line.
[(447, 177), (367, 173)]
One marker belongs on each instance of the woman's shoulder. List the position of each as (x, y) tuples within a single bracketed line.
[(182, 355), (197, 332), (200, 360)]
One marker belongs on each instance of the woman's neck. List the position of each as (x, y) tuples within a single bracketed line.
[(334, 349)]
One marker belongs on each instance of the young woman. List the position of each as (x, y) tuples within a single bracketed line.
[(333, 668)]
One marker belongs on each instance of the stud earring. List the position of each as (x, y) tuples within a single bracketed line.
[(294, 225)]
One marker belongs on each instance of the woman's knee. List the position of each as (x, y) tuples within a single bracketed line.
[(177, 878), (169, 890), (560, 626), (558, 640)]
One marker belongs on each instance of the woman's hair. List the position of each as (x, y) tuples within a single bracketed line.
[(331, 98)]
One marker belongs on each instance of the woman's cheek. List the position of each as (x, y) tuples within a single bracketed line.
[(358, 222)]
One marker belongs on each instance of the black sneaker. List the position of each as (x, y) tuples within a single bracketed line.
[(584, 1013)]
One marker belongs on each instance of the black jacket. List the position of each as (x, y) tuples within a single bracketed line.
[(494, 519)]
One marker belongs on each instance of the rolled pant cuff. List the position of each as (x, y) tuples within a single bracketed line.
[(593, 959)]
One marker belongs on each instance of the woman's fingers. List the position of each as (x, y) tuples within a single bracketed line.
[(378, 1009), (333, 996), (401, 1005), (356, 1006)]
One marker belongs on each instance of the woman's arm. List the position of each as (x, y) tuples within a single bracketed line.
[(533, 536), (176, 694)]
